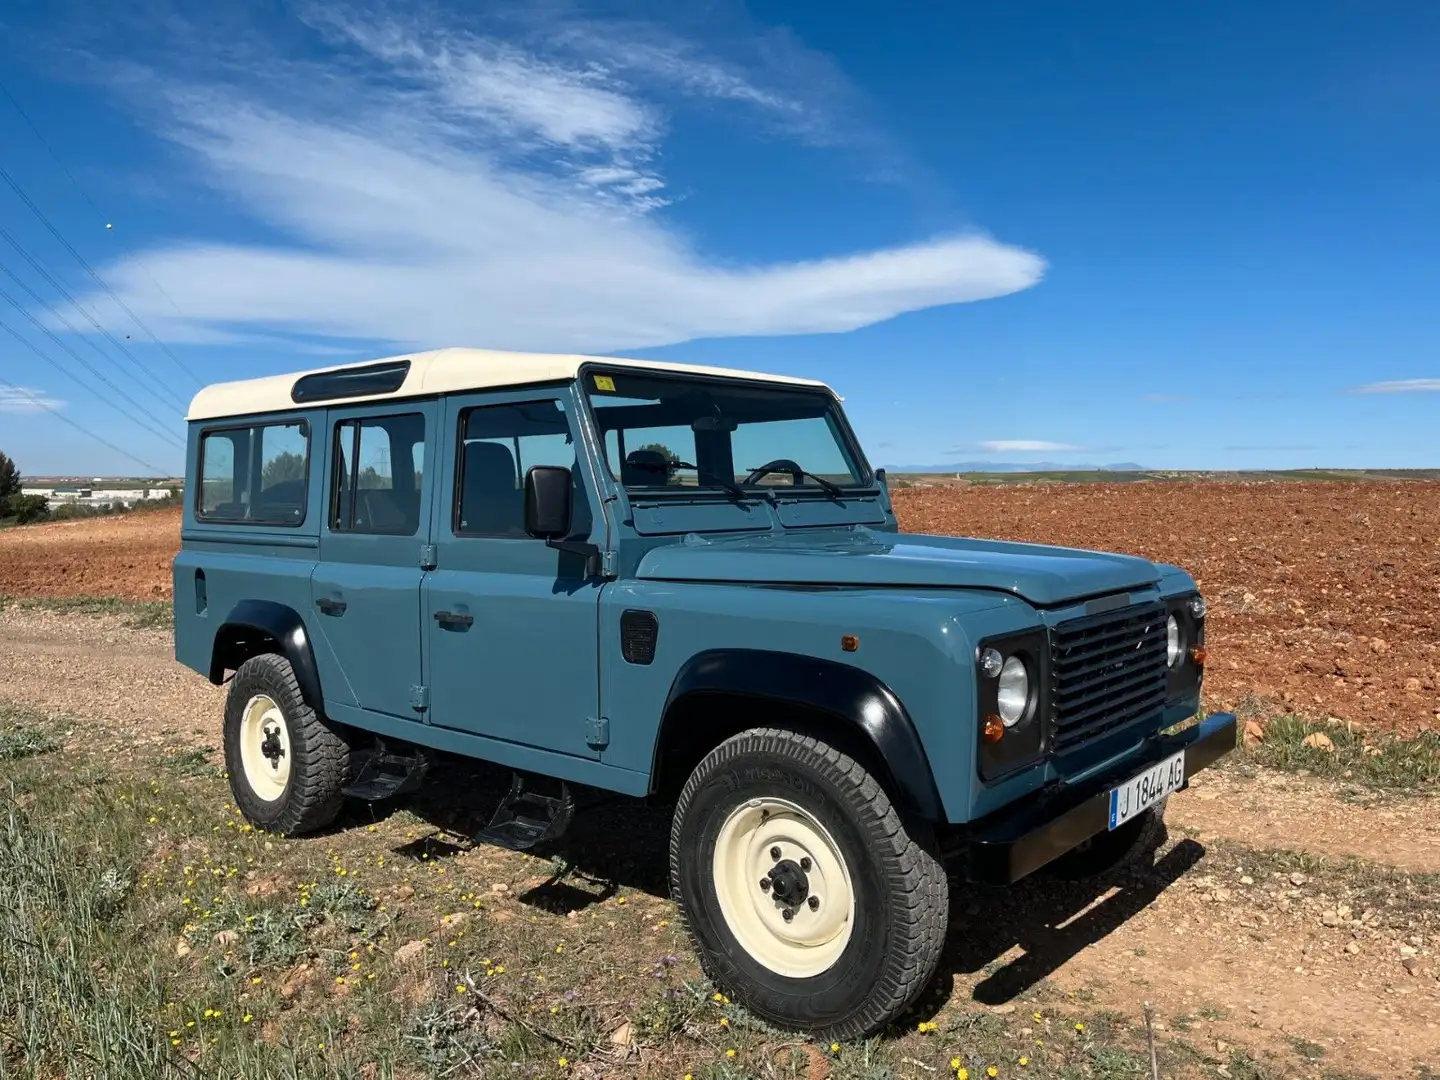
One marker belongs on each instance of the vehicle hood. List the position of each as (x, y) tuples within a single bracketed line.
[(862, 557)]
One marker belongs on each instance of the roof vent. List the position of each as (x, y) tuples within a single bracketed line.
[(352, 382)]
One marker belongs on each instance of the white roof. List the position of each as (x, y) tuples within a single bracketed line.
[(438, 372)]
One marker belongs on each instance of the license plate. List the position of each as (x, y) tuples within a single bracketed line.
[(1146, 789)]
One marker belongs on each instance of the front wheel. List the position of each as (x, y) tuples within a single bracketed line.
[(809, 899)]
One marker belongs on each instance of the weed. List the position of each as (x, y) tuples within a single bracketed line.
[(25, 742), (1380, 762), (137, 614), (193, 763)]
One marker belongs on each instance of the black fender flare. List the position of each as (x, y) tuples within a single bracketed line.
[(851, 694), (277, 621)]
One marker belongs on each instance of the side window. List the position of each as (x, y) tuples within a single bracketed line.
[(379, 475), (255, 475), (498, 445)]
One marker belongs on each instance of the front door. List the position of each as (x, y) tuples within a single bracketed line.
[(512, 622), (366, 587)]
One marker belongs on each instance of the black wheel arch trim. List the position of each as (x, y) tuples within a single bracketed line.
[(284, 624), (849, 693)]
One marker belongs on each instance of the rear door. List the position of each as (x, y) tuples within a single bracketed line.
[(373, 547), (512, 623)]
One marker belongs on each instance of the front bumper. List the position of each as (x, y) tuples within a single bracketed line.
[(1019, 839)]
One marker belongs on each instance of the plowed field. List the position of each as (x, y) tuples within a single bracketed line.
[(1325, 598)]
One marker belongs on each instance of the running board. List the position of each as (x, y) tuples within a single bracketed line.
[(383, 775), (525, 819)]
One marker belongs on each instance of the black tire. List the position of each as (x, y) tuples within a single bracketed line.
[(320, 756), (900, 889), (1107, 854)]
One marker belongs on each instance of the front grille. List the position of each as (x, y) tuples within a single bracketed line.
[(1106, 671)]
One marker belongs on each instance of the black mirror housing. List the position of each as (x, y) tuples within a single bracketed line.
[(547, 502)]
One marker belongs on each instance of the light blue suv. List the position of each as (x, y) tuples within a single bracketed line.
[(686, 584)]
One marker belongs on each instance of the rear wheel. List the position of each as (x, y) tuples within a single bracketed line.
[(808, 898), (287, 766)]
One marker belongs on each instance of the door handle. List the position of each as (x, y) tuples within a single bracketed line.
[(454, 619), (330, 607)]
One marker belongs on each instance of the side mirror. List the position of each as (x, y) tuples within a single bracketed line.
[(881, 479), (547, 502)]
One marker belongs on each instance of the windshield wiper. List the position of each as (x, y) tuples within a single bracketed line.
[(785, 465), (728, 486)]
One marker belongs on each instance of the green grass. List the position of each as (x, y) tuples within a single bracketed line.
[(137, 614), (1378, 762), (150, 932), (23, 733)]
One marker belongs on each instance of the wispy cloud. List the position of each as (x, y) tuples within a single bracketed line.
[(437, 184), (1029, 446), (1400, 386), (25, 399)]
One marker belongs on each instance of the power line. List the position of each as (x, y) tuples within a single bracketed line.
[(42, 404), (6, 235), (20, 193), (71, 327), (159, 430), (76, 185)]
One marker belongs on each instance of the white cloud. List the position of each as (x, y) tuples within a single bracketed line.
[(1400, 386), (25, 399), (451, 188), (1011, 446)]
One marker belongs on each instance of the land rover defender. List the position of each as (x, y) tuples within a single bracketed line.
[(684, 584)]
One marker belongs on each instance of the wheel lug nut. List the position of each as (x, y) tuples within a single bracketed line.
[(789, 914), (775, 854), (764, 884), (805, 863), (814, 903)]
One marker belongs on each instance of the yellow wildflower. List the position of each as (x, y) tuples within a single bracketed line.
[(724, 1021), (955, 1063), (1079, 1027), (246, 1018), (460, 988), (1024, 1061), (564, 1063), (729, 1053), (992, 1071)]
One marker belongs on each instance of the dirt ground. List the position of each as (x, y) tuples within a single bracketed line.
[(1324, 597), (1324, 963)]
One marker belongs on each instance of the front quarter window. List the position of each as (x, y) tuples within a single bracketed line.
[(668, 433)]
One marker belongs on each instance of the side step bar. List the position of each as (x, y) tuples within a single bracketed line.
[(383, 775), (526, 818)]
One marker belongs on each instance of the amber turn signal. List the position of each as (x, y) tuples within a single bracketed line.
[(994, 729), (1198, 654), (849, 642)]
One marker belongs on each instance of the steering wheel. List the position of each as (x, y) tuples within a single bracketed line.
[(797, 474)]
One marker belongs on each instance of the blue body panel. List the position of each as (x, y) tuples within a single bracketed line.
[(536, 679)]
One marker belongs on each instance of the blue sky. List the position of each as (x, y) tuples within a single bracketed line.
[(1190, 236)]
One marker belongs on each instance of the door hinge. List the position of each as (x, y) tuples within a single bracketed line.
[(427, 556), (607, 564), (597, 732), (419, 698)]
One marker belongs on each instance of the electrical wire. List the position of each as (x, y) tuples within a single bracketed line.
[(72, 328), (159, 429), (14, 186), (76, 185), (40, 403)]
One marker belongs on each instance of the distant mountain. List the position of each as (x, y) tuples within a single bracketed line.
[(1014, 466)]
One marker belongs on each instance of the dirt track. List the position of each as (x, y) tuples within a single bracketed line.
[(1325, 598), (1237, 943)]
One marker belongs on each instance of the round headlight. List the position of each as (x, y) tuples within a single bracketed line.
[(1197, 606), (991, 662), (1013, 695), (1174, 646)]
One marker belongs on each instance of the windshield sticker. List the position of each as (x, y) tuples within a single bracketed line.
[(605, 382)]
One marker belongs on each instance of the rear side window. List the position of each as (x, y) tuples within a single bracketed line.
[(256, 474), (379, 475)]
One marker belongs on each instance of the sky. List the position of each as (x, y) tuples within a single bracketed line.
[(1186, 236)]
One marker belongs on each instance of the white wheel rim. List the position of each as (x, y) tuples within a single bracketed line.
[(813, 938), (265, 748)]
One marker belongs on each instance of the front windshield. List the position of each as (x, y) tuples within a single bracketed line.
[(669, 432)]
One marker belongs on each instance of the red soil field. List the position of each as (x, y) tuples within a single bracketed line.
[(1324, 597)]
